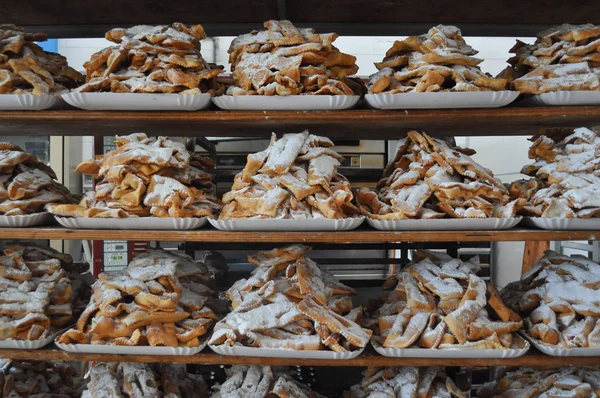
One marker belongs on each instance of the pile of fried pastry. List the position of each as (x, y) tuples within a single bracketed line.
[(152, 59), (145, 177), (440, 60), (429, 178), (141, 380), (261, 382), (439, 302), (405, 382), (290, 303), (284, 60), (563, 58), (39, 380), (570, 381), (25, 68), (160, 299), (26, 184), (559, 299), (565, 181), (295, 177), (36, 296)]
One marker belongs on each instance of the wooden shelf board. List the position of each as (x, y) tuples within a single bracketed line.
[(366, 359), (363, 235), (359, 123)]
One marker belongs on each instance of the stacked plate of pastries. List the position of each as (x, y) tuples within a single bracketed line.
[(40, 379), (290, 308), (438, 307), (26, 186), (31, 78), (405, 382), (137, 380), (562, 67), (563, 192), (145, 183), (284, 67), (435, 70), (161, 304), (559, 300), (36, 296), (433, 185), (292, 185), (163, 62)]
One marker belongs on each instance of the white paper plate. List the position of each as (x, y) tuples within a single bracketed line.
[(28, 220), (564, 98), (434, 353), (281, 353), (281, 225), (26, 344), (27, 102), (138, 101), (567, 224), (136, 350), (442, 100), (555, 351), (131, 223), (282, 103), (445, 224)]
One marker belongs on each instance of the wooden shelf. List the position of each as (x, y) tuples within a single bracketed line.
[(358, 123), (534, 359), (363, 235)]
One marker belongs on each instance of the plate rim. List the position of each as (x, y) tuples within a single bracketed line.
[(374, 100), (229, 102), (344, 356), (201, 222), (222, 224)]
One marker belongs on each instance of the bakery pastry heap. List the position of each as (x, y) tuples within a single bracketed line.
[(570, 381), (295, 177), (26, 184), (289, 303), (566, 182), (439, 302), (36, 296), (145, 177), (25, 68), (261, 382), (440, 60), (563, 58), (285, 60), (429, 178), (160, 299), (559, 299), (40, 380), (405, 382), (141, 380), (152, 59)]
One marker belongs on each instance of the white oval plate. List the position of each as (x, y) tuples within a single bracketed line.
[(27, 102), (555, 351), (136, 350), (564, 98), (434, 353), (442, 100), (282, 103), (28, 220), (564, 224), (26, 344), (282, 353), (147, 223), (137, 101), (283, 225), (445, 224)]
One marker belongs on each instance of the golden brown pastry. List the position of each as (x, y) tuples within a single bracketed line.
[(40, 379), (438, 302), (289, 303), (25, 68), (440, 60), (152, 59), (565, 183), (284, 60), (429, 178), (563, 58)]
